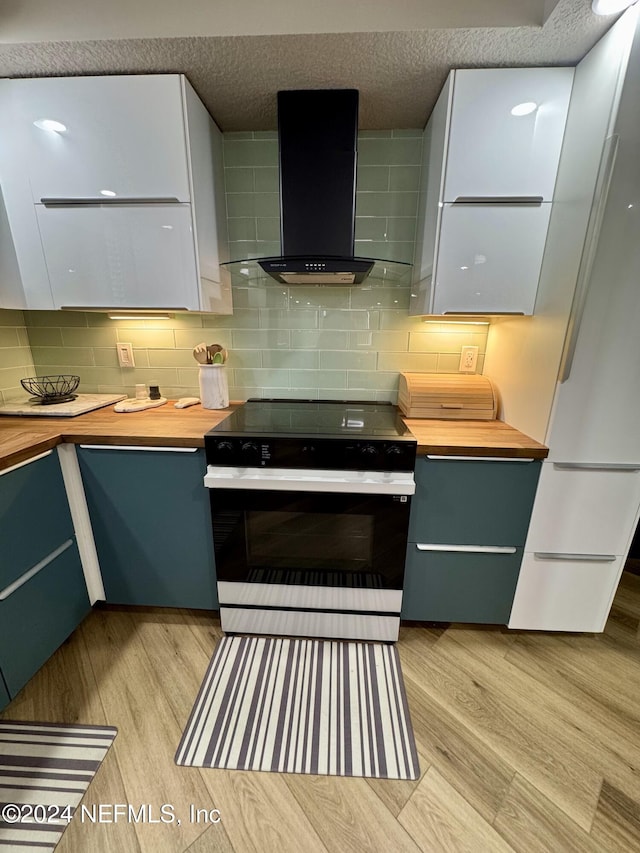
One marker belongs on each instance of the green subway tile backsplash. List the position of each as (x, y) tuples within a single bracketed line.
[(301, 341)]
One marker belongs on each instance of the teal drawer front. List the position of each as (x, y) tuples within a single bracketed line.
[(442, 586), (34, 516), (470, 502), (4, 695), (39, 616), (151, 522)]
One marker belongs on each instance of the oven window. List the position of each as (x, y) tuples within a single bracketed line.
[(320, 539), (309, 541)]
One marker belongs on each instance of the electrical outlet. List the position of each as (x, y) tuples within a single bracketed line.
[(468, 360), (125, 355)]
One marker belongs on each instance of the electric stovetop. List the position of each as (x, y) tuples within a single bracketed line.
[(349, 419)]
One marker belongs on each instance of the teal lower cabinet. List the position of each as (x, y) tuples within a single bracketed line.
[(43, 594), (473, 500), (460, 586), (151, 522), (38, 612)]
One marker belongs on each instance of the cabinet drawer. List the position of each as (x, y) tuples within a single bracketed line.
[(584, 511), (489, 257), (34, 516), (39, 616), (132, 255), (472, 502), (564, 594), (491, 151), (443, 586)]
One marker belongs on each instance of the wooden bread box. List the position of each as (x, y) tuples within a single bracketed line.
[(449, 396)]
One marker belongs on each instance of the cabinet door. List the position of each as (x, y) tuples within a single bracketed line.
[(489, 258), (34, 515), (124, 134), (584, 511), (39, 615), (442, 586), (129, 256), (151, 522), (472, 502), (495, 153), (564, 594)]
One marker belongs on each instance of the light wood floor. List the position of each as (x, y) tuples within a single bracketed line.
[(527, 742)]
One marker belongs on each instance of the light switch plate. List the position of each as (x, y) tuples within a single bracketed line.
[(125, 355)]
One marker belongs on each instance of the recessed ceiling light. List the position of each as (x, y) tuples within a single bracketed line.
[(524, 109), (610, 7), (50, 124), (109, 193)]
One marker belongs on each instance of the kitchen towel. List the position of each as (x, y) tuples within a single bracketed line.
[(45, 770), (302, 706)]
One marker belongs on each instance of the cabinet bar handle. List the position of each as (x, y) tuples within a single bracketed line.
[(580, 558), (595, 466), (467, 549), (9, 590), (500, 199), (138, 447), (26, 462), (479, 458), (120, 310), (104, 201)]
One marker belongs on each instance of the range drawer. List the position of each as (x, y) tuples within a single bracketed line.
[(565, 593), (39, 616), (451, 586), (584, 510), (34, 516), (472, 501)]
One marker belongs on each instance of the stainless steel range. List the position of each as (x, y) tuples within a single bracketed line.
[(310, 503)]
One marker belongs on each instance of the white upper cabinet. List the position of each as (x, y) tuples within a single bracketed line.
[(111, 244), (489, 256), (487, 184), (494, 153), (120, 202), (122, 136)]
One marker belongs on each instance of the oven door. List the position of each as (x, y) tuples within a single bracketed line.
[(292, 546)]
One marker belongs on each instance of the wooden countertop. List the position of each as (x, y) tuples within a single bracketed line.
[(24, 437), (474, 438)]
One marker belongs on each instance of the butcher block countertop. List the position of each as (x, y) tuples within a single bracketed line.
[(24, 437)]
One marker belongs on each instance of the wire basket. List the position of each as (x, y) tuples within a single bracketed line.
[(52, 389)]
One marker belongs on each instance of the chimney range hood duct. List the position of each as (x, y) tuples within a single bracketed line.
[(318, 136)]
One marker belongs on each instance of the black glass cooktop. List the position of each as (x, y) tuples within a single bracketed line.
[(259, 417)]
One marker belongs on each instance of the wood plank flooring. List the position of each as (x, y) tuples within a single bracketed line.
[(528, 742)]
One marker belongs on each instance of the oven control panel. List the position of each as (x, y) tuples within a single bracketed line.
[(300, 452)]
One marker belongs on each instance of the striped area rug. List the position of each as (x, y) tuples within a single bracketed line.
[(45, 769), (302, 706)]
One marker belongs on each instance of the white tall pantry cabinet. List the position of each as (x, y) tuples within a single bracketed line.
[(121, 206), (588, 497)]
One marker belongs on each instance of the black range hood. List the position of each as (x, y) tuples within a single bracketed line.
[(318, 136), (318, 150)]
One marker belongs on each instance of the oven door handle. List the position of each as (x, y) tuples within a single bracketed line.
[(306, 480)]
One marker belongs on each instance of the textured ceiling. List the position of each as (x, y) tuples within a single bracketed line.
[(399, 74)]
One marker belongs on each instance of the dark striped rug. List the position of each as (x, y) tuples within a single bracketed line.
[(45, 770), (302, 706)]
